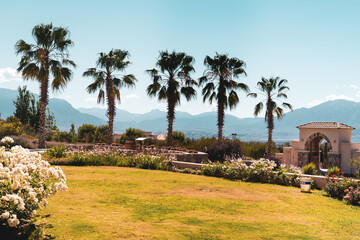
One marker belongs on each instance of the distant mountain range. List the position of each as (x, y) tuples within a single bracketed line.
[(196, 126)]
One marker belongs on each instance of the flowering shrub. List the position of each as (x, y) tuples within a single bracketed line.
[(106, 156), (259, 171), (352, 195), (336, 188), (7, 141), (25, 183), (335, 172)]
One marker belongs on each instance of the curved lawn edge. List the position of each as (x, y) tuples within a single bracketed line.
[(130, 203)]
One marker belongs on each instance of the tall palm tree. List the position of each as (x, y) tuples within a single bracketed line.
[(220, 85), (272, 89), (170, 80), (109, 81), (46, 59)]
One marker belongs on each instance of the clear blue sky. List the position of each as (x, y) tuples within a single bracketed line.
[(313, 44)]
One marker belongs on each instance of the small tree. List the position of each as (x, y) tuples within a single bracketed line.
[(22, 105), (27, 108), (86, 133), (131, 133), (72, 133), (51, 128), (101, 134), (179, 138), (355, 163)]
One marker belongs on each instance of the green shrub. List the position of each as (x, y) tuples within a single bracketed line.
[(152, 162), (64, 137), (223, 151), (57, 152), (140, 161), (355, 163), (255, 150), (201, 144), (309, 169), (214, 170), (79, 159)]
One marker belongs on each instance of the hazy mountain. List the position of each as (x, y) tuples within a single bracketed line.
[(204, 124), (64, 113), (125, 116)]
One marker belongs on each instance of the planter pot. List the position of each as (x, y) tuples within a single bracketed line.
[(305, 184)]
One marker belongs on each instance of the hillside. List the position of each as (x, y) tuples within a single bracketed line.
[(65, 114), (201, 125)]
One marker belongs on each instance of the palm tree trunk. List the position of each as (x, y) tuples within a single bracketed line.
[(43, 105), (170, 118), (270, 127), (220, 121), (221, 110), (110, 112)]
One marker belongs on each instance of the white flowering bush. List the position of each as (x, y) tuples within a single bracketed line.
[(25, 183), (7, 141), (262, 170)]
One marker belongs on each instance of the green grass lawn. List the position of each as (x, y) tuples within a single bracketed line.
[(129, 203)]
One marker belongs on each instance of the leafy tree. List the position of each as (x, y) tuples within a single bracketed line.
[(86, 133), (108, 81), (170, 80), (46, 59), (272, 89), (101, 134), (34, 113), (22, 105), (220, 85), (26, 108), (179, 138), (72, 132), (131, 133), (51, 128)]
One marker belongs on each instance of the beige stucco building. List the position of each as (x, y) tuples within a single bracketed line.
[(307, 148)]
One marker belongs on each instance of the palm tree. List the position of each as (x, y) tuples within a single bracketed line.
[(108, 81), (272, 89), (46, 59), (170, 80), (221, 86)]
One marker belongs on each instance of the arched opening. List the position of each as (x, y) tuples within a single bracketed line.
[(318, 146), (324, 154)]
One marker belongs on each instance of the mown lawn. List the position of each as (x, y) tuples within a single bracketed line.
[(129, 203)]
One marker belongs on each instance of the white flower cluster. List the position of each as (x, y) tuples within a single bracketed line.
[(263, 165), (25, 182), (7, 140)]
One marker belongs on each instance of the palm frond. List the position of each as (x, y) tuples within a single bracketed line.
[(258, 108), (288, 106)]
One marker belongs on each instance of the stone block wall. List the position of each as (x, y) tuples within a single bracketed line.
[(334, 160), (303, 158)]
